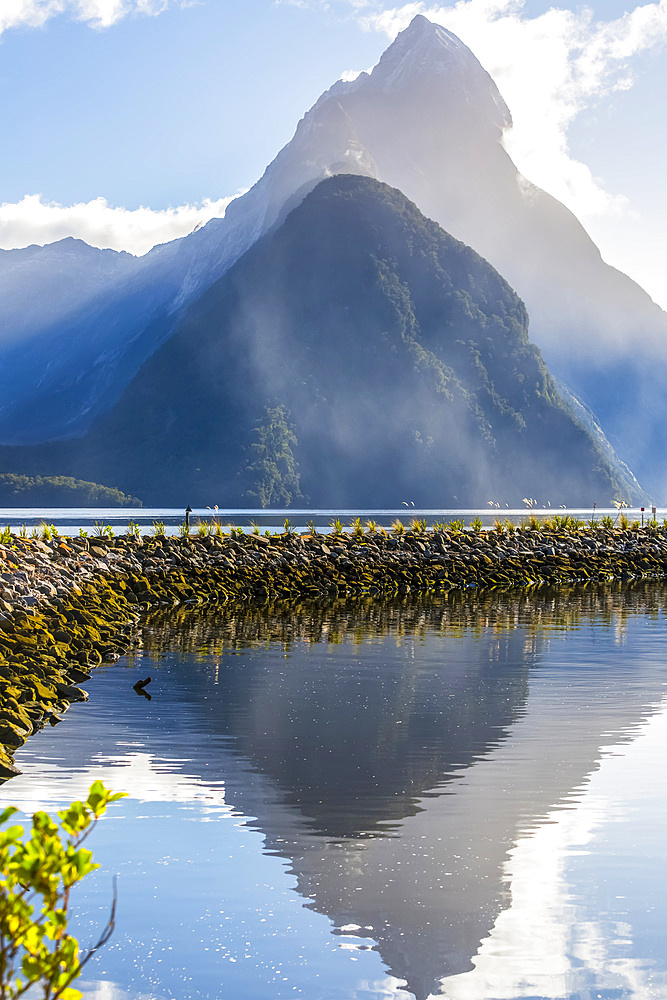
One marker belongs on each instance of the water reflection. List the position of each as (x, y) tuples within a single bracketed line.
[(546, 943), (427, 770)]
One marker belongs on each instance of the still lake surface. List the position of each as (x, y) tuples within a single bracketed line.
[(92, 520), (462, 797)]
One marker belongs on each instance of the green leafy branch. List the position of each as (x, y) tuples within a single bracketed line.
[(37, 875)]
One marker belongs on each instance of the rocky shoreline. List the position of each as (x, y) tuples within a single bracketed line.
[(68, 604)]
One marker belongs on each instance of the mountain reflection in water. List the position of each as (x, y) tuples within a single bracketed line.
[(399, 757)]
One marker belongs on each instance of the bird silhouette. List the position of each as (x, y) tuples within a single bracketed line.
[(140, 686)]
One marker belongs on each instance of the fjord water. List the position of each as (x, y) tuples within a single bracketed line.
[(95, 520), (461, 797)]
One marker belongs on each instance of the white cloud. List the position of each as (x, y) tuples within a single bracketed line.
[(349, 75), (100, 224), (301, 4), (103, 13), (548, 68), (142, 776), (96, 13), (28, 13)]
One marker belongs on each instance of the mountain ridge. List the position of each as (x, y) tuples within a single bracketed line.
[(427, 120), (366, 345)]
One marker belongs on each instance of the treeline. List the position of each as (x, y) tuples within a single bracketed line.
[(59, 491)]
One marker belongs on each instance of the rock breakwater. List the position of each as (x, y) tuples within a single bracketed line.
[(67, 605)]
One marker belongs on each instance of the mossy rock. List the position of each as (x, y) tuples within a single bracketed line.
[(70, 693), (16, 715), (13, 735), (39, 690), (8, 768), (59, 650), (77, 676)]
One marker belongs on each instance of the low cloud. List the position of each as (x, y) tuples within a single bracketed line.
[(100, 224), (96, 13), (548, 68)]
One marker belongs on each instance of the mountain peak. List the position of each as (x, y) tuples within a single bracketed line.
[(421, 26), (425, 55)]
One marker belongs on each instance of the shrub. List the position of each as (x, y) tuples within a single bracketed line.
[(103, 530), (37, 876)]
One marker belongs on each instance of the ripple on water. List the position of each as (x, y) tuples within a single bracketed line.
[(462, 797)]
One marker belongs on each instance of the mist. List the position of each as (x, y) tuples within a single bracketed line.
[(429, 121), (357, 356)]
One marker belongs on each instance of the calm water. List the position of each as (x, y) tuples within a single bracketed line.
[(463, 798), (72, 520)]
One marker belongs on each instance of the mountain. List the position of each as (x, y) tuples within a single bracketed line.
[(363, 343), (429, 121), (98, 345), (42, 285)]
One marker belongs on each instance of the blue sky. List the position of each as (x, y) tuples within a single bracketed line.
[(126, 122)]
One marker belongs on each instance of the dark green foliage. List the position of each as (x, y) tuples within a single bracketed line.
[(272, 471), (59, 491)]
